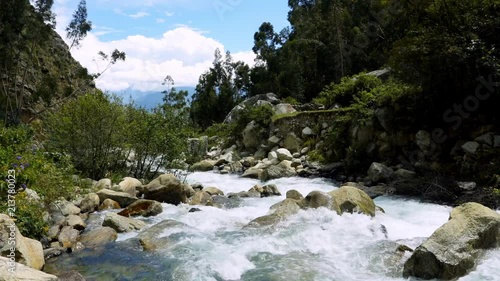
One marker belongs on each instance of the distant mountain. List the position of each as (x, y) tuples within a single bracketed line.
[(150, 99)]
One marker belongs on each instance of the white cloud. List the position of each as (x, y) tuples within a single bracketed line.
[(169, 14), (183, 52), (139, 15)]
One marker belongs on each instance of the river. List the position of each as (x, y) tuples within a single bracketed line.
[(313, 245)]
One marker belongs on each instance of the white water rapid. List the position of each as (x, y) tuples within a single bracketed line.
[(313, 245)]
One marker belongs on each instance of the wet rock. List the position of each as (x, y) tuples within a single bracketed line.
[(454, 248), (142, 207), (124, 199), (68, 237), (194, 210), (471, 147), (71, 276), (201, 198), (281, 170), (254, 173), (122, 224), (379, 172), (213, 191), (226, 202), (109, 204), (130, 185), (348, 199), (294, 194), (98, 237), (153, 238), (316, 199), (270, 190), (50, 253), (203, 166), (167, 188), (76, 222)]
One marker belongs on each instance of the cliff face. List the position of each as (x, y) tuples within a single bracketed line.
[(37, 70)]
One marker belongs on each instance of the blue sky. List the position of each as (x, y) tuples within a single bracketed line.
[(167, 37)]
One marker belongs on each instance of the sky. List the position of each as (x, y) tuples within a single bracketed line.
[(166, 37)]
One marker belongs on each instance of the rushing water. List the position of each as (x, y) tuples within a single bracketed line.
[(312, 245)]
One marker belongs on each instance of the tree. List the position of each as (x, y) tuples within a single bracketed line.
[(79, 25), (44, 9)]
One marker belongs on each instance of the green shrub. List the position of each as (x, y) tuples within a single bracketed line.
[(262, 115), (291, 100)]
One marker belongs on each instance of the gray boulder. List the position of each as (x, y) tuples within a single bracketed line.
[(167, 188), (122, 224), (22, 272), (454, 248), (471, 147), (98, 237), (379, 172), (90, 203), (142, 207), (124, 199), (152, 238)]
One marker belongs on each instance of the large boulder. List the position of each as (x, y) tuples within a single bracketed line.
[(352, 200), (130, 185), (277, 213), (167, 188), (252, 135), (103, 184), (379, 172), (282, 170), (12, 271), (124, 199), (284, 154), (454, 248), (28, 251), (316, 199), (201, 198), (198, 147), (292, 143), (142, 207), (64, 208), (98, 237), (68, 237), (109, 204), (284, 108), (257, 100), (203, 166), (90, 203), (213, 191), (122, 224), (254, 173), (153, 238), (76, 222)]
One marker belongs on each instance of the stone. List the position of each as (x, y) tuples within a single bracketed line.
[(142, 207), (122, 224), (64, 207), (284, 108), (98, 237), (29, 251), (201, 198), (274, 140), (198, 147), (254, 173), (471, 147), (307, 133), (130, 185), (496, 142), (68, 237), (284, 154), (109, 204), (292, 142), (194, 210), (22, 272), (71, 276), (316, 199), (153, 238), (213, 191), (168, 189), (348, 199), (423, 140), (52, 253), (53, 232), (103, 184), (203, 166), (272, 156), (294, 194), (379, 172), (76, 222), (385, 117), (260, 154), (124, 199), (197, 186), (467, 185), (270, 190), (252, 135), (89, 203), (486, 139), (453, 250), (281, 170), (277, 213), (304, 151), (402, 174)]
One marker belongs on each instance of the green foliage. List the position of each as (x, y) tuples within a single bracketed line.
[(316, 155), (49, 175), (349, 89), (262, 115), (291, 100), (79, 25)]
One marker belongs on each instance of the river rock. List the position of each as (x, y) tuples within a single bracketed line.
[(213, 191), (254, 173), (284, 108), (201, 198), (90, 203), (153, 238), (352, 200), (109, 204), (76, 222), (471, 147), (122, 224), (294, 194), (28, 251), (316, 199), (124, 199), (203, 166), (292, 143), (277, 213), (284, 154), (454, 248), (379, 172), (22, 272), (252, 135), (281, 170), (71, 276), (64, 207), (167, 188), (68, 237), (142, 207), (98, 237), (270, 190), (130, 185)]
